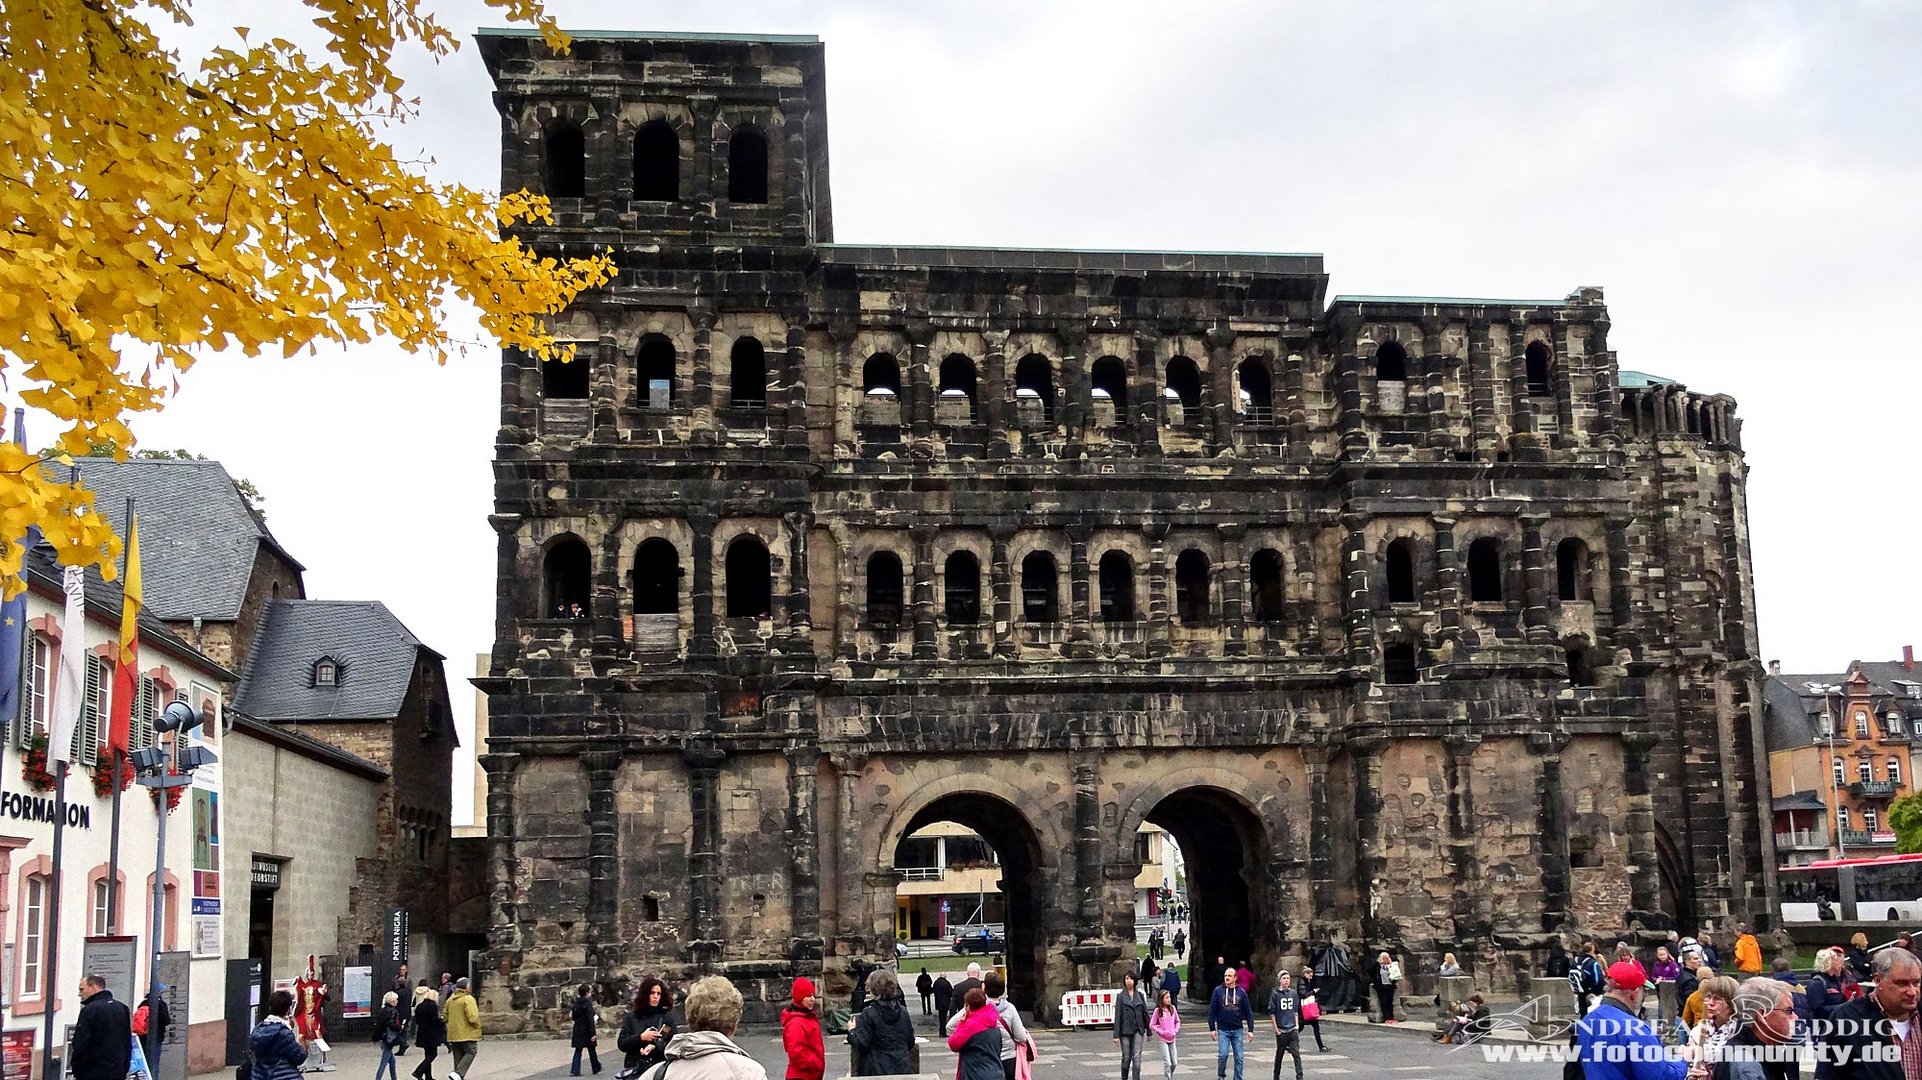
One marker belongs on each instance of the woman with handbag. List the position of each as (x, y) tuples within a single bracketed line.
[(1386, 975), (645, 1031), (585, 1037), (1310, 988)]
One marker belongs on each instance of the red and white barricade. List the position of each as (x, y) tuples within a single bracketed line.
[(1088, 1008)]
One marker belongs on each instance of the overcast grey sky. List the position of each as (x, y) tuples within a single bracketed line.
[(1740, 178)]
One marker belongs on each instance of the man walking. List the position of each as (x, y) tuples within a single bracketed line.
[(1612, 1042), (463, 1029), (943, 1001), (102, 1043), (1229, 1014), (404, 990), (1876, 1037), (1284, 1014), (1181, 942), (1748, 951), (446, 987)]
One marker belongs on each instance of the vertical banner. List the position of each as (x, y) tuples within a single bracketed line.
[(206, 906)]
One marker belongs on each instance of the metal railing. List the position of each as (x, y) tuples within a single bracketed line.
[(1801, 838), (1873, 789), (920, 873)]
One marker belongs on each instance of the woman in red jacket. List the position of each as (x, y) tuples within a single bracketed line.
[(801, 1034)]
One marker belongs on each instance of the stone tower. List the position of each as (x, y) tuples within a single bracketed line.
[(1416, 622)]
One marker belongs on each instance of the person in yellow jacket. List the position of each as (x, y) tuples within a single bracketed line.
[(1748, 951), (1692, 1011), (463, 1029)]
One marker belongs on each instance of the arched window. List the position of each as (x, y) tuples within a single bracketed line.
[(1191, 587), (657, 163), (881, 376), (884, 589), (1109, 379), (958, 382), (566, 380), (1537, 359), (568, 573), (1257, 391), (1398, 664), (1039, 593), (1485, 570), (750, 579), (1571, 570), (654, 373), (566, 164), (747, 375), (1400, 571), (1034, 382), (1184, 389), (657, 578), (1391, 362), (961, 582), (1581, 668), (747, 167), (1117, 588), (1264, 574)]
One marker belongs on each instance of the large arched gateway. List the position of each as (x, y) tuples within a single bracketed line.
[(1322, 639)]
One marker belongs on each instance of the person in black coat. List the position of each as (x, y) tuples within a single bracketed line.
[(883, 1035), (925, 987), (586, 1021), (1862, 1029), (102, 1043), (390, 1032), (645, 1031), (430, 1031), (943, 1001)]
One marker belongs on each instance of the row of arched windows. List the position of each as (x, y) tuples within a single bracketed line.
[(1484, 567), (657, 163), (1391, 365)]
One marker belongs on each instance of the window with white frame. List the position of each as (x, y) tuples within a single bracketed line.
[(1842, 816), (1895, 770), (1841, 775), (33, 944), (40, 686), (1865, 769), (1892, 722), (99, 903), (1871, 821), (1861, 723)]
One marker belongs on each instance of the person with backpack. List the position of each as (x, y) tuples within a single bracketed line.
[(1586, 978), (151, 1021)]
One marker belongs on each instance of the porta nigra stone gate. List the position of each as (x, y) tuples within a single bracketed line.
[(1416, 621)]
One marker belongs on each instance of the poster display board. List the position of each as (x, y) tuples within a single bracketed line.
[(114, 959), (356, 993), (16, 1052)]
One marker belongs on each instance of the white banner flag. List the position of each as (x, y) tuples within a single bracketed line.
[(70, 686)]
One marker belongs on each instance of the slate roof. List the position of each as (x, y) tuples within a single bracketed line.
[(199, 539), (1791, 708), (375, 651), (1801, 800), (43, 573), (1889, 678), (308, 746)]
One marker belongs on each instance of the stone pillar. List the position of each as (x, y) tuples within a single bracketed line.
[(1221, 380), (1481, 396), (1435, 368), (1562, 380), (1607, 398), (1304, 614), (1354, 433), (604, 597), (1644, 868), (1448, 583), (796, 222), (603, 871), (1298, 439), (517, 417), (702, 644), (1523, 442), (920, 402), (800, 615), (1233, 574), (1321, 863), (503, 870), (1081, 634), (804, 857), (1087, 847), (1470, 921), (1621, 610), (1534, 582), (995, 393), (795, 435), (1160, 631), (846, 611), (1371, 863), (1551, 829), (1074, 384), (847, 773), (703, 761), (1357, 596), (701, 420), (604, 358), (1147, 394), (924, 645), (708, 148), (1001, 574), (509, 605)]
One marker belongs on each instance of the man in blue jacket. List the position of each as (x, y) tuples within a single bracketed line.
[(1230, 1014), (1613, 1042)]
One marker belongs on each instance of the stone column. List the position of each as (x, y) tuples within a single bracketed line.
[(1304, 614), (1087, 847), (1160, 632), (804, 856), (847, 773), (846, 612), (517, 417), (603, 871), (924, 645), (1371, 863), (703, 761), (701, 421), (1233, 574), (995, 393), (1358, 597), (604, 597), (1221, 381), (1534, 582), (1481, 396), (701, 597), (1462, 841), (1001, 574), (1551, 829), (509, 602), (1562, 380), (1644, 868), (1074, 382), (796, 222), (1081, 634), (1147, 394), (1448, 583), (503, 870), (708, 148), (604, 358), (920, 398), (1321, 864), (1523, 441), (1354, 433), (795, 436), (1435, 367), (800, 614), (1296, 377), (1621, 610)]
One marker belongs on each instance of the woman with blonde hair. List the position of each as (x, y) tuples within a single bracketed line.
[(390, 1031), (1719, 1024), (1449, 968)]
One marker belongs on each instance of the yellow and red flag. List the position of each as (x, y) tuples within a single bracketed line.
[(126, 672)]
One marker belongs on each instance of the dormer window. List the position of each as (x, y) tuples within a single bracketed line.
[(326, 672)]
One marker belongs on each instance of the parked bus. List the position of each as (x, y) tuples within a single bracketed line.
[(1885, 887)]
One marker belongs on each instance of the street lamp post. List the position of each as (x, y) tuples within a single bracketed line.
[(150, 766)]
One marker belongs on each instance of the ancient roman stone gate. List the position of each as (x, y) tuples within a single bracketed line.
[(1417, 622)]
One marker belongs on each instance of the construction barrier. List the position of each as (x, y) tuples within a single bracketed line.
[(1088, 1008)]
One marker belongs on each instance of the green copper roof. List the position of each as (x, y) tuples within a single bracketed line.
[(1637, 379), (652, 35), (1436, 300)]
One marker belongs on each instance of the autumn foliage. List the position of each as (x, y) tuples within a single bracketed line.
[(153, 209)]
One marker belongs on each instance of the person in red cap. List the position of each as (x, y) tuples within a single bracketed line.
[(1612, 1041), (801, 1034)]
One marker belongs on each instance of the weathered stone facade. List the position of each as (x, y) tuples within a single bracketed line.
[(1415, 622)]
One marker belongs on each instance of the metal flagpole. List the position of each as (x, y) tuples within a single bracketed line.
[(159, 910), (118, 763), (50, 985)]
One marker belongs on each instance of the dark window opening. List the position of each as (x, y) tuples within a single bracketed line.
[(1391, 362), (1264, 573), (657, 163), (1039, 594), (1034, 381), (747, 375), (1109, 379), (1692, 418), (1117, 588), (566, 163), (654, 373), (1485, 570), (568, 574), (1581, 669), (657, 578), (1398, 666), (1401, 572), (961, 581), (1571, 570), (747, 167), (958, 382), (650, 909), (1584, 853), (1537, 359), (881, 377), (750, 579), (884, 589), (1191, 588), (1257, 392), (565, 380), (1184, 389)]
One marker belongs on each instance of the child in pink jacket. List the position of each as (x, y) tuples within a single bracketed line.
[(1165, 1022)]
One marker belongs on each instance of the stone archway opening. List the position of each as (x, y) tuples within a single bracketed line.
[(1227, 899), (1009, 886)]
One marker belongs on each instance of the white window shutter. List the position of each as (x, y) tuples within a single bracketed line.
[(140, 733), (89, 748)]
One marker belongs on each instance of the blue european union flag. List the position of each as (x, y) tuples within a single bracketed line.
[(13, 637)]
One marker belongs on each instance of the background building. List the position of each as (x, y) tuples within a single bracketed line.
[(1840, 751)]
